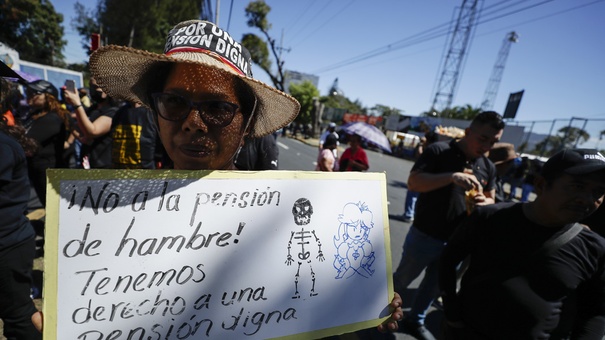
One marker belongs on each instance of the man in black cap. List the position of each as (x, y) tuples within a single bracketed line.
[(542, 273)]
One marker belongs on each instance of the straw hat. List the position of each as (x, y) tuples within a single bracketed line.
[(502, 152), (121, 71)]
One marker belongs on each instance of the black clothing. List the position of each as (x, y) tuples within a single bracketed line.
[(507, 293), (439, 211), (136, 143), (50, 132), (14, 194), (258, 154), (99, 151), (17, 244)]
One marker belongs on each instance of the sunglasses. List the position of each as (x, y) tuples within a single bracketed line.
[(30, 92), (174, 107)]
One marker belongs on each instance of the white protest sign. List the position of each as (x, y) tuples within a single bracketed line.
[(222, 255)]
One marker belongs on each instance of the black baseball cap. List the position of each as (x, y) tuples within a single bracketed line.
[(574, 162), (43, 86)]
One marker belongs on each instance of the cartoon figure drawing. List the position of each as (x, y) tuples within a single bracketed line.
[(354, 252), (302, 211)]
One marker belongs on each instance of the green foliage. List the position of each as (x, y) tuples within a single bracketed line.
[(305, 93), (33, 28), (385, 111), (466, 112), (258, 51), (257, 12), (341, 102), (567, 137), (142, 24)]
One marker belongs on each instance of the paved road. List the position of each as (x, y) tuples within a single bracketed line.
[(302, 155)]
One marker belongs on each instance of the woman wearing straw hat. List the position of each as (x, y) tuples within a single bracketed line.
[(204, 96)]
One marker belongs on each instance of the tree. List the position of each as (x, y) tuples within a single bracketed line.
[(385, 111), (257, 12), (141, 24), (568, 137), (466, 112), (33, 28), (305, 93), (342, 102)]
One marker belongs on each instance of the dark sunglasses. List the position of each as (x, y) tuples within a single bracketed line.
[(174, 107), (30, 92)]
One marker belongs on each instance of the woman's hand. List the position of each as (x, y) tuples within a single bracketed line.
[(72, 98), (390, 324), (38, 321)]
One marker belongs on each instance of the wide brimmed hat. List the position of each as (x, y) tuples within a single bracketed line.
[(122, 72), (502, 153)]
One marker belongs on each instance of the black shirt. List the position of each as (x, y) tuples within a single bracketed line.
[(136, 142), (258, 154), (510, 293), (14, 194), (99, 150), (439, 211)]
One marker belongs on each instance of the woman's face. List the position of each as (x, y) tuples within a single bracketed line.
[(35, 100), (191, 142)]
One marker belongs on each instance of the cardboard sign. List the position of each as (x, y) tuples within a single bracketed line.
[(221, 255)]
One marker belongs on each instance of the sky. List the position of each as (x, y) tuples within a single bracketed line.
[(391, 52)]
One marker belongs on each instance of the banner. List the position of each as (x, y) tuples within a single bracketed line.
[(514, 100), (150, 254)]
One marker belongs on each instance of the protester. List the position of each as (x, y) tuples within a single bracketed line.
[(17, 235), (535, 166), (444, 174), (412, 196), (502, 155), (205, 104), (84, 99), (135, 138), (50, 128), (330, 131), (325, 159), (354, 158), (258, 154), (517, 175), (95, 126), (542, 273)]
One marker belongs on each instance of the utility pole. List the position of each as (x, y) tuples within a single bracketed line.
[(494, 81), (454, 59), (218, 9)]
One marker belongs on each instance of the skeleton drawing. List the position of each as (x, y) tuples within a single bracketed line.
[(354, 252), (302, 211)]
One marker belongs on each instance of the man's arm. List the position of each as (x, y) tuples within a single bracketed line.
[(457, 249), (590, 321), (420, 181)]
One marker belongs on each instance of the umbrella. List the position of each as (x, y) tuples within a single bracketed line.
[(369, 133)]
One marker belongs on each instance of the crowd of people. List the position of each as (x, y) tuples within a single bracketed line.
[(203, 107), (528, 269)]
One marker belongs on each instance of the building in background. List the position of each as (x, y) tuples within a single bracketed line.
[(33, 71)]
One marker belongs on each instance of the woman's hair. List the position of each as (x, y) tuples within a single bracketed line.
[(52, 104), (29, 145)]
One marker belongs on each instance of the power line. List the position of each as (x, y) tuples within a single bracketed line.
[(327, 21), (420, 38)]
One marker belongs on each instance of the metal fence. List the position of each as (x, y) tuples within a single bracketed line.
[(557, 132)]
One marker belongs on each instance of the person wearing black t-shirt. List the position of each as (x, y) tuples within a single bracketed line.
[(514, 288), (443, 175)]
